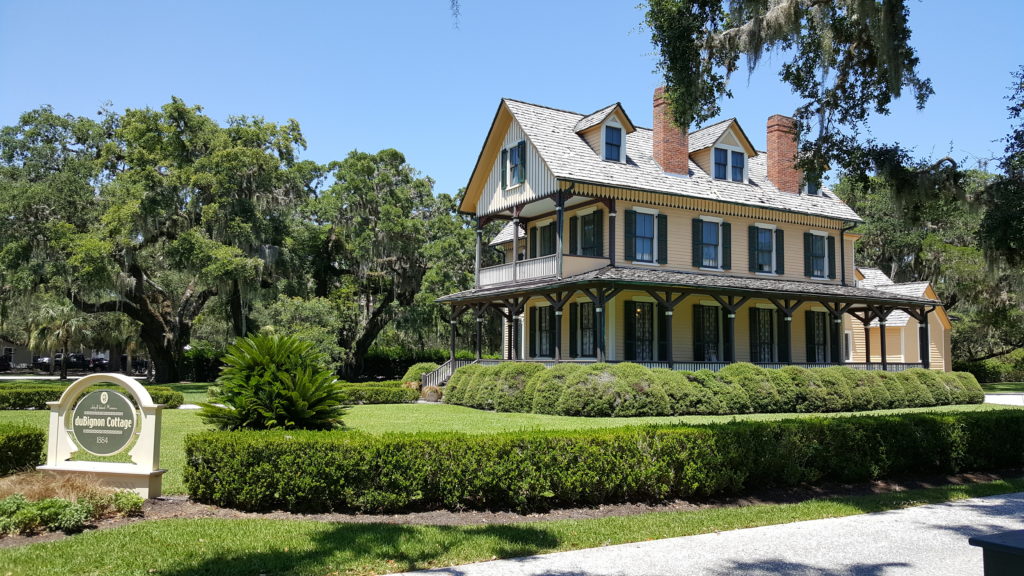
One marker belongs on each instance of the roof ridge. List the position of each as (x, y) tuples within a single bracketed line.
[(709, 126), (550, 107)]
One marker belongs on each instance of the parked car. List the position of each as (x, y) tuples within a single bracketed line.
[(99, 364), (75, 361), (41, 363), (5, 364)]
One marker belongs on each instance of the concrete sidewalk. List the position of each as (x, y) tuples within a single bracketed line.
[(925, 540)]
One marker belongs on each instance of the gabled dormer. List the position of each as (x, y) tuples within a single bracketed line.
[(607, 132), (723, 151)]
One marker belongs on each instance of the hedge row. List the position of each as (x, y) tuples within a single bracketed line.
[(628, 389), (21, 447), (530, 471), (378, 395), (36, 396)]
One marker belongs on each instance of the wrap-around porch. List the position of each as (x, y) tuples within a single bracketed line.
[(686, 321)]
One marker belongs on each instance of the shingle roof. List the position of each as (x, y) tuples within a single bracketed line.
[(909, 289), (569, 157), (505, 235), (722, 283), (595, 118), (707, 136), (874, 277)]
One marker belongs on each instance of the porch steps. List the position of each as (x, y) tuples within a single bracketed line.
[(440, 376)]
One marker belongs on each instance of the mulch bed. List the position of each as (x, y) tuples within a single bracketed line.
[(181, 507)]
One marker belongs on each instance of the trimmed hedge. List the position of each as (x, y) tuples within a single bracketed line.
[(530, 471), (416, 371), (36, 396), (21, 447), (628, 389), (378, 395)]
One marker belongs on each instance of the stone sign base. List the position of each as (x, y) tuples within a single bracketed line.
[(143, 482)]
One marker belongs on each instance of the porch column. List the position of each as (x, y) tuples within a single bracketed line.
[(668, 336), (515, 246), (453, 321), (510, 337), (599, 319), (480, 309), (841, 336), (881, 336), (867, 343), (479, 252), (787, 337), (558, 334), (923, 336), (559, 224)]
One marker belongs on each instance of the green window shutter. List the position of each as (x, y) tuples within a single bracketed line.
[(549, 239), (697, 235), (574, 323), (780, 255), (533, 332), (809, 336), (726, 246), (630, 234), (808, 240), (754, 348), (504, 168), (629, 323), (752, 248), (599, 233), (662, 239), (698, 332), (573, 233), (664, 325), (533, 242), (832, 257), (783, 341), (522, 161), (834, 339)]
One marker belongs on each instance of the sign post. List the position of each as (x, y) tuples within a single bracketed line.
[(104, 423)]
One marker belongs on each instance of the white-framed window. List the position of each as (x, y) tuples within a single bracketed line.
[(819, 254), (513, 165), (811, 189), (588, 239), (645, 235), (764, 248), (613, 141), (730, 163), (710, 245)]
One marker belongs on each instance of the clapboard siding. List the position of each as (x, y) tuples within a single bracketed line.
[(539, 180)]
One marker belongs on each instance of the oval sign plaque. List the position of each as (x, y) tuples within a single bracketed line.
[(103, 422)]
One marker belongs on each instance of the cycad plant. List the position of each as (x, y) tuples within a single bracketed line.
[(271, 381)]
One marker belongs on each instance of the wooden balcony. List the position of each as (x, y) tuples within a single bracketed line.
[(537, 268)]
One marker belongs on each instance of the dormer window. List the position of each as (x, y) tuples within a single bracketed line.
[(730, 165), (613, 143), (812, 189)]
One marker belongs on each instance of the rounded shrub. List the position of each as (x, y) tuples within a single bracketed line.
[(975, 394), (731, 397), (271, 381), (935, 385), (641, 393), (594, 391), (685, 396), (482, 389), (547, 386), (511, 378), (416, 371), (867, 392), (826, 391), (916, 393), (459, 382), (894, 387), (755, 381), (957, 393), (789, 381)]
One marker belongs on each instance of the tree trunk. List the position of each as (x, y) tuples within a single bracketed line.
[(114, 365), (238, 318), (64, 362)]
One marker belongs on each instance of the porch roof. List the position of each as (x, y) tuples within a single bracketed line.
[(720, 284)]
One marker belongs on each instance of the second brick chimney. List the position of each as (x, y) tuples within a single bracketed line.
[(671, 144), (782, 154)]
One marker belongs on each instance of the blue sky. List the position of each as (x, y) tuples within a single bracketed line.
[(373, 75)]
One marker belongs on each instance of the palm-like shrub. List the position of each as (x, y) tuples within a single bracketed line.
[(271, 381)]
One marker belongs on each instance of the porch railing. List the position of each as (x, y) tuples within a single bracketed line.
[(531, 269), (716, 366), (443, 372)]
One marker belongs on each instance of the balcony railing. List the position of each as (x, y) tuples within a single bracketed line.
[(543, 267)]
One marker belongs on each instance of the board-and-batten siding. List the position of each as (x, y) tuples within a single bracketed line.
[(539, 180)]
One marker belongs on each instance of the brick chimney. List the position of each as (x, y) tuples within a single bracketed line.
[(782, 154), (671, 144)]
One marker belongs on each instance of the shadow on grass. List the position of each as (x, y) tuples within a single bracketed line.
[(375, 548)]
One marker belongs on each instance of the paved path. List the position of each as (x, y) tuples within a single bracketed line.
[(1008, 398), (925, 540)]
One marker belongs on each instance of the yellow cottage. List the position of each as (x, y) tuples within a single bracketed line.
[(687, 250)]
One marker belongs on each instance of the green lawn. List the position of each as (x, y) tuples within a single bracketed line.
[(279, 547), (382, 418), (1003, 387)]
